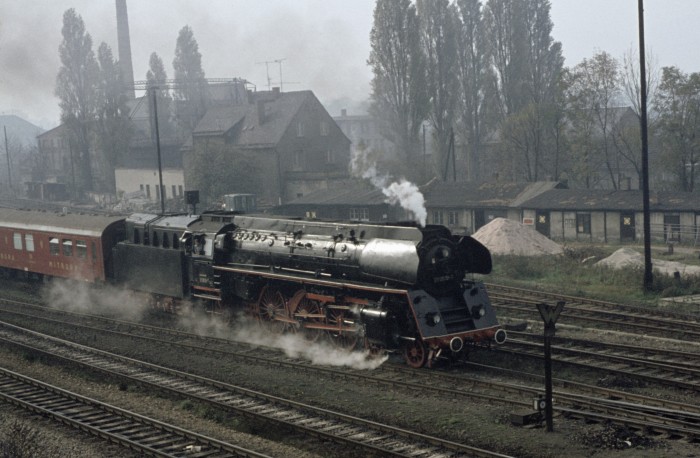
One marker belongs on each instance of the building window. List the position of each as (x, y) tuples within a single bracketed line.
[(311, 214), (157, 192), (300, 129), (81, 249), (330, 156), (359, 214), (17, 239), (324, 129), (437, 217), (453, 218), (54, 247), (29, 242), (179, 189), (67, 247), (583, 223), (148, 191), (174, 191)]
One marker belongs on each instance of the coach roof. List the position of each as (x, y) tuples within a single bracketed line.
[(57, 222)]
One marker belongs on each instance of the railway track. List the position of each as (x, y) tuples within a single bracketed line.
[(600, 405), (136, 432), (520, 302), (307, 419)]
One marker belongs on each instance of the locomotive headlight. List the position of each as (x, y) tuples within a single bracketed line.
[(478, 311)]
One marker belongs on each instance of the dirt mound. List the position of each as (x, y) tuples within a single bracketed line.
[(627, 257), (504, 236)]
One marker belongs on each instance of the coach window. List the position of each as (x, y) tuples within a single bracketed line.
[(67, 247), (17, 239), (81, 248), (54, 247), (29, 242)]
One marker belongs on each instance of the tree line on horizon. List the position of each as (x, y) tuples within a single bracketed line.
[(491, 73), (488, 72)]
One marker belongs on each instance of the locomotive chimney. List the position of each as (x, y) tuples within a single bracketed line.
[(124, 44)]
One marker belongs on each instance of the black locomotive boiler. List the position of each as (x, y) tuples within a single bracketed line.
[(386, 287)]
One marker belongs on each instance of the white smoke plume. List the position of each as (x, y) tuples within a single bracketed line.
[(401, 192), (294, 345), (82, 297)]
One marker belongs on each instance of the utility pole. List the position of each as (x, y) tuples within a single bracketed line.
[(161, 189), (648, 274), (7, 153)]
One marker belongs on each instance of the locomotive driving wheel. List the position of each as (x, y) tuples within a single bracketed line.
[(271, 306), (341, 336), (415, 353), (307, 311)]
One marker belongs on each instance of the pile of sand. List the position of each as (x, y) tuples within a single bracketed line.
[(627, 257), (504, 236)]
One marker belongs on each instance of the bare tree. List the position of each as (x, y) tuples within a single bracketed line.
[(679, 124), (399, 97)]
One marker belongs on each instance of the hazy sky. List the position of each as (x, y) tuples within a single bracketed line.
[(324, 43)]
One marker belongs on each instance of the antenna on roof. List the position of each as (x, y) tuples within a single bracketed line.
[(269, 80)]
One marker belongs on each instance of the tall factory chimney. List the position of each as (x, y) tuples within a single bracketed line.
[(124, 44)]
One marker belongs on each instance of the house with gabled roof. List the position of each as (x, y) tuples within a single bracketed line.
[(289, 136)]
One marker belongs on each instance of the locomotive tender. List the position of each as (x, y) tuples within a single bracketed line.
[(385, 287)]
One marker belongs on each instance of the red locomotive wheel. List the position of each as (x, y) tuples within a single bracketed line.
[(342, 337), (415, 353), (271, 305), (309, 311)]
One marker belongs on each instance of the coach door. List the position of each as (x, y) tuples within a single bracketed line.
[(627, 228), (542, 223)]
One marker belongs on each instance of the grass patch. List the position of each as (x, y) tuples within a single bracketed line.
[(575, 273)]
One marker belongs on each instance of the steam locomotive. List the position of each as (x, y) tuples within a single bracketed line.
[(382, 287)]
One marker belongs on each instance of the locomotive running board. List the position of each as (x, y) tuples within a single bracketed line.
[(312, 281)]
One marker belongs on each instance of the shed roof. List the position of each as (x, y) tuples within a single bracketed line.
[(489, 194), (599, 199)]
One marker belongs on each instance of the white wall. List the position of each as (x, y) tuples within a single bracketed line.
[(132, 180)]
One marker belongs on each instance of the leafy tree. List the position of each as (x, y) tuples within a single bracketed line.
[(528, 68), (399, 96), (77, 89), (113, 126), (439, 43), (679, 123), (157, 79), (190, 84), (473, 77)]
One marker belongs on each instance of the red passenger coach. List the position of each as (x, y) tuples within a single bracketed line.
[(59, 244)]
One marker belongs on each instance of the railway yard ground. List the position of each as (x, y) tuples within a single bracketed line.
[(422, 402)]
